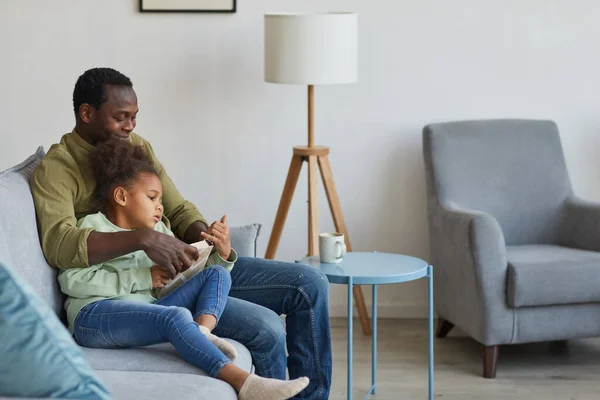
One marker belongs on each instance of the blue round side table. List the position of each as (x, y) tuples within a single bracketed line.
[(376, 269)]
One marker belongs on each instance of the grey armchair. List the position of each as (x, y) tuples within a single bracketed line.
[(516, 257)]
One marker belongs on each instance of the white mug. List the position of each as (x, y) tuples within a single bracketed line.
[(331, 247)]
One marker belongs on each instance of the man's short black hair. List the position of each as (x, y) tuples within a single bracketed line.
[(91, 86)]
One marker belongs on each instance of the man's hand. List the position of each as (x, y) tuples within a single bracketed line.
[(218, 233), (193, 234), (160, 277), (169, 252)]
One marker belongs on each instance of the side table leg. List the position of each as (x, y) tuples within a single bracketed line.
[(430, 278), (350, 314), (374, 344)]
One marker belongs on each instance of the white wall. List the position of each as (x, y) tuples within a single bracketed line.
[(226, 136)]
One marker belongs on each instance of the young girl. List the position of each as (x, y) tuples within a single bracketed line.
[(114, 305)]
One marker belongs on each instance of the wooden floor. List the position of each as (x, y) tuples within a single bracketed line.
[(542, 371)]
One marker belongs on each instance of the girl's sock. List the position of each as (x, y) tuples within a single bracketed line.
[(258, 388), (221, 344)]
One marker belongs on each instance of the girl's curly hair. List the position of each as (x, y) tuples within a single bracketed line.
[(117, 163)]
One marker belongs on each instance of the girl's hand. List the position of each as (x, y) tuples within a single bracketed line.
[(218, 234), (160, 277)]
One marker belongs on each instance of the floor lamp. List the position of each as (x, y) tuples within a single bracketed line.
[(312, 49)]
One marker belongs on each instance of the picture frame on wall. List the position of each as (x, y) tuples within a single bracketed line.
[(201, 6)]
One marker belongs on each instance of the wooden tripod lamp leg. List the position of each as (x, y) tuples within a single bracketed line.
[(313, 207), (362, 310), (284, 205), (317, 157), (332, 197), (340, 226)]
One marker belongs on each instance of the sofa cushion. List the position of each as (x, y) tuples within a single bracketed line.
[(157, 358), (541, 275), (19, 239), (244, 239), (38, 356), (157, 385)]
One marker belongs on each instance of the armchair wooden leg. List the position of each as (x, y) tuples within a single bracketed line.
[(490, 361), (443, 328)]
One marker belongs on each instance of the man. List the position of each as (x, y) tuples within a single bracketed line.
[(105, 106)]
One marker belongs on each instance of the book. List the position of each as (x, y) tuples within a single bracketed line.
[(205, 250)]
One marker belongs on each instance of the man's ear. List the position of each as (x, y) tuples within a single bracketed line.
[(86, 112), (120, 196)]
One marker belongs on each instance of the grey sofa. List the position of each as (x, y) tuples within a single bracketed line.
[(152, 372), (515, 254)]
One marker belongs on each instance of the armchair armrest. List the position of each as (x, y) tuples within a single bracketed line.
[(469, 264), (580, 227)]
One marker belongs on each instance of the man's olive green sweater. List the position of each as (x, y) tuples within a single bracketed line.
[(62, 188)]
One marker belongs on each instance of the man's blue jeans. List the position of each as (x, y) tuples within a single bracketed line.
[(122, 323), (261, 290)]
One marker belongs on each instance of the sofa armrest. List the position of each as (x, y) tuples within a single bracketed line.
[(470, 266), (580, 226)]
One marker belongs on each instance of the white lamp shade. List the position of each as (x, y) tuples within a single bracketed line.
[(311, 49)]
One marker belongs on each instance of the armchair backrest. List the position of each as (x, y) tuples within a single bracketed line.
[(512, 169)]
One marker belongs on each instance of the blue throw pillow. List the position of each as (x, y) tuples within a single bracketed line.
[(38, 357)]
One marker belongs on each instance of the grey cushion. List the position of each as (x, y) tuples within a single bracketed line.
[(19, 240), (157, 385), (540, 275), (244, 239), (157, 358), (559, 322)]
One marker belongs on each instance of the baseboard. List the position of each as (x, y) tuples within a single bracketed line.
[(411, 311)]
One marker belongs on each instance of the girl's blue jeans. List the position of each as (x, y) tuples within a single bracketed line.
[(122, 323)]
